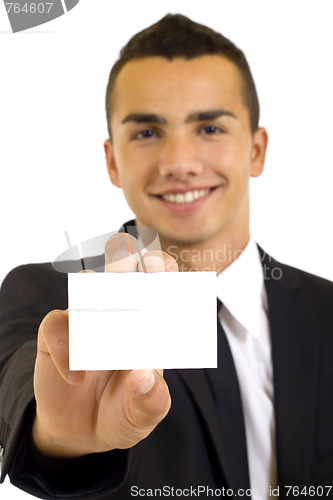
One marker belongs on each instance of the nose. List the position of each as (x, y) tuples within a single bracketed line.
[(179, 159)]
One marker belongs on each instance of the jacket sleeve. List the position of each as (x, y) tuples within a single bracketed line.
[(27, 294)]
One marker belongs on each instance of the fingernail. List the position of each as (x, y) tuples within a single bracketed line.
[(145, 384), (121, 262), (153, 263), (119, 255)]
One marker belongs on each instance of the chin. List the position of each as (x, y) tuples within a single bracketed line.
[(184, 233)]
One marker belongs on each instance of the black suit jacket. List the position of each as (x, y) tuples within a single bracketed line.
[(186, 449)]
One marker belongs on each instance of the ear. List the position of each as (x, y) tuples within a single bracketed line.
[(111, 163), (260, 141)]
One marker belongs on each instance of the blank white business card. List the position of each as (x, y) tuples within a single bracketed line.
[(123, 321)]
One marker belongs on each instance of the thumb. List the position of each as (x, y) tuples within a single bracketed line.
[(148, 399), (140, 400)]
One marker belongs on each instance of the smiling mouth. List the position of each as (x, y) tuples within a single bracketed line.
[(188, 197)]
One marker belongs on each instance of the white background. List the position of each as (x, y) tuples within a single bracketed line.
[(52, 126)]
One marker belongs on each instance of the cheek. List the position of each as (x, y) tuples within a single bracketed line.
[(137, 170), (127, 179), (125, 167), (226, 157), (234, 166), (132, 177), (235, 159)]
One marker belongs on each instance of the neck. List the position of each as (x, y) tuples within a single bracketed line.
[(213, 255)]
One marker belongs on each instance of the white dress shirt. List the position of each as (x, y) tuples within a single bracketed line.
[(244, 317)]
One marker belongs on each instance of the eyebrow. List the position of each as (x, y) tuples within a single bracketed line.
[(144, 118), (208, 115), (193, 117)]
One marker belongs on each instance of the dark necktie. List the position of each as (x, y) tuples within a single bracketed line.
[(224, 383)]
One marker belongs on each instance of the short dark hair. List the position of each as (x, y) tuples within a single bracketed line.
[(177, 36)]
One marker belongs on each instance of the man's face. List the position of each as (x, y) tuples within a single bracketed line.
[(182, 149)]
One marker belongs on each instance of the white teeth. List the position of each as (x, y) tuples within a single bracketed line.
[(185, 197), (189, 196)]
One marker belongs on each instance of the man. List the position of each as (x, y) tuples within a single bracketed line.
[(184, 141)]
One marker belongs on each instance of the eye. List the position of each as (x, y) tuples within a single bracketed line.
[(145, 134), (211, 130)]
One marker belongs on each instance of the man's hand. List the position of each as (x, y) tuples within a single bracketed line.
[(87, 412)]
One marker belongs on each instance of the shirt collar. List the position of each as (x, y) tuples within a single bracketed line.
[(240, 287)]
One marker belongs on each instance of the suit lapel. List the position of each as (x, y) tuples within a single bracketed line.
[(295, 353), (197, 383)]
